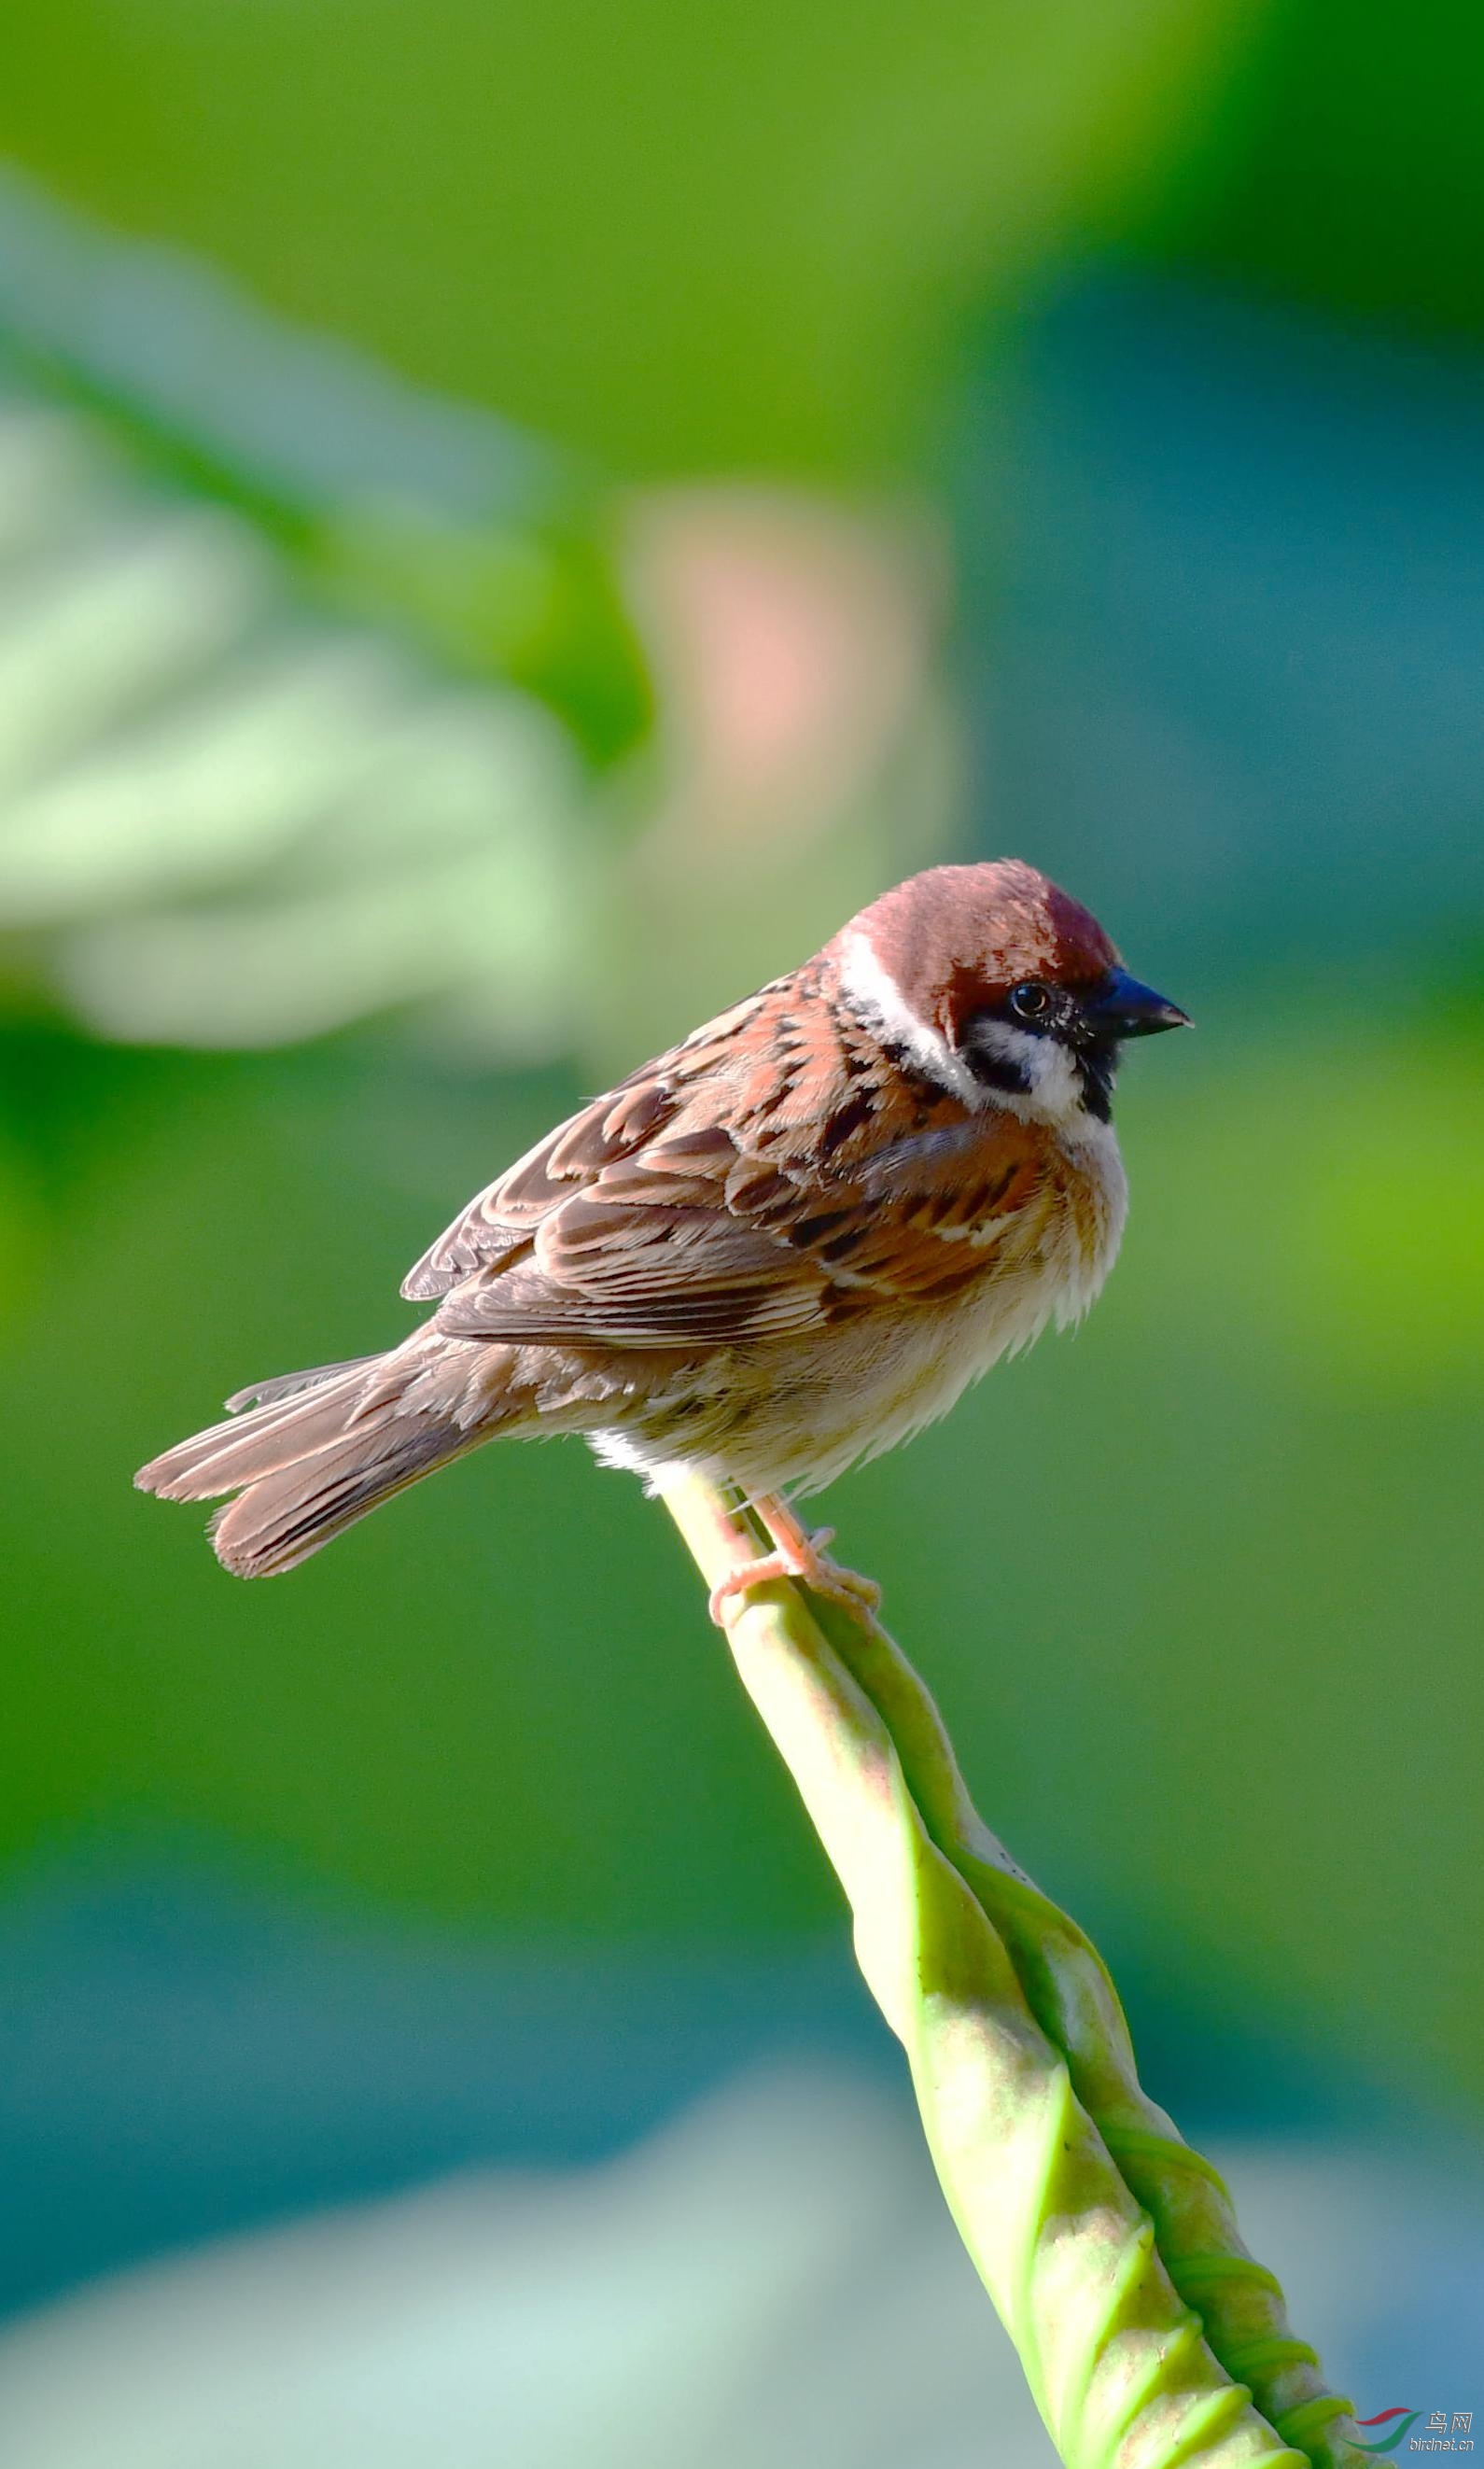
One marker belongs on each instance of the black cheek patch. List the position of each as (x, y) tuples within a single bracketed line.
[(998, 1071)]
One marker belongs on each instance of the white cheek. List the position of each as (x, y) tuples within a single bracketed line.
[(1055, 1093), (874, 995), (1055, 1090)]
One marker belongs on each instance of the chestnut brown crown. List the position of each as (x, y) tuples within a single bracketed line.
[(959, 937)]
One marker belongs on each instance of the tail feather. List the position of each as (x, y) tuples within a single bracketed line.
[(317, 1452), (292, 1384), (285, 1517), (289, 1426)]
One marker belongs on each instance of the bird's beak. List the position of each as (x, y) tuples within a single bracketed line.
[(1125, 1008)]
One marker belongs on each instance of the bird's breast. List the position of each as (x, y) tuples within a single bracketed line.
[(1043, 1263), (794, 1413)]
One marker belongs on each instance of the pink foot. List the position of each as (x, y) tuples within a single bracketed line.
[(802, 1556)]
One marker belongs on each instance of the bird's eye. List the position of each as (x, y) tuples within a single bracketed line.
[(1029, 1002)]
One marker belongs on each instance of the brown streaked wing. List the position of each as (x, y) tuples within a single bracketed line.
[(505, 1215), (645, 1253), (643, 1278), (765, 1224)]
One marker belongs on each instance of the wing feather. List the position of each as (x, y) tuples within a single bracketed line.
[(739, 1189)]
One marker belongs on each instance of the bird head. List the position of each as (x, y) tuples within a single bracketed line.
[(995, 984)]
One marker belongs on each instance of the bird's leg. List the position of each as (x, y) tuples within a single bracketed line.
[(796, 1554)]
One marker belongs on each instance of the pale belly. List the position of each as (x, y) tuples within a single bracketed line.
[(791, 1416)]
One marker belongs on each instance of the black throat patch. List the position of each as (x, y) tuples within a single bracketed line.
[(1096, 1067)]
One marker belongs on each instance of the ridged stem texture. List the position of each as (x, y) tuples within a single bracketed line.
[(1148, 2334)]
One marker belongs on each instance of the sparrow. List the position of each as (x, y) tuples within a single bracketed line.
[(781, 1247)]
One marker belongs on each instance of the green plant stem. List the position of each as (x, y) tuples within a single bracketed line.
[(1150, 2336)]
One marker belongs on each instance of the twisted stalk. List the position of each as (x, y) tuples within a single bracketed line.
[(1150, 2336)]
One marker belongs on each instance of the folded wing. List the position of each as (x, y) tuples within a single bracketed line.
[(689, 1208)]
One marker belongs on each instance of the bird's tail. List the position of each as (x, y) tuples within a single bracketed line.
[(316, 1450)]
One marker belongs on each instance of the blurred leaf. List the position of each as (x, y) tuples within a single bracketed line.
[(1361, 1246), (687, 238), (226, 815), (429, 517), (274, 760), (1343, 167), (540, 606), (22, 1227), (224, 819)]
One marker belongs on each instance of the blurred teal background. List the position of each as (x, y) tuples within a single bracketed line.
[(511, 525)]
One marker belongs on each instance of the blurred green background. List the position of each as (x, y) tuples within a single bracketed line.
[(511, 525)]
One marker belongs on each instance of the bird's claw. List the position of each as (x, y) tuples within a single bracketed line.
[(808, 1564)]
